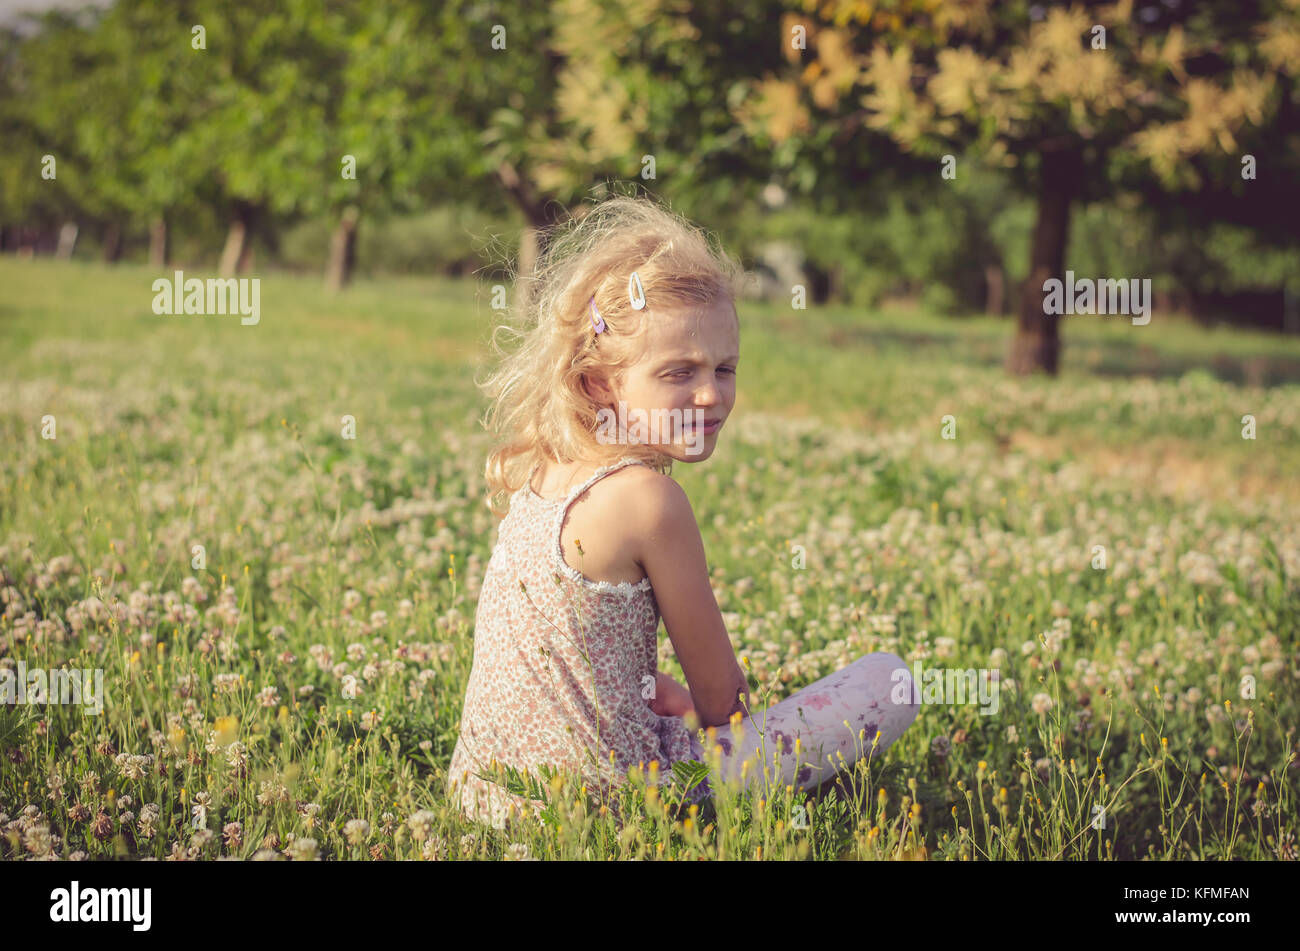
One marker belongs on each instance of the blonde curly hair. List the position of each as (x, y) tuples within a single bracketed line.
[(540, 410)]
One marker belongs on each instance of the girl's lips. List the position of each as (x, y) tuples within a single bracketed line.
[(710, 427)]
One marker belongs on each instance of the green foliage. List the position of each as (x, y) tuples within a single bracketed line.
[(449, 239), (901, 241)]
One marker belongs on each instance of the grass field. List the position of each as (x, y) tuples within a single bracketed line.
[(225, 730)]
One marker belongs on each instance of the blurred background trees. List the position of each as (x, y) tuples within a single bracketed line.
[(1112, 139), (1083, 103)]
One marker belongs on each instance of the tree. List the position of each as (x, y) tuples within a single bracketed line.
[(1073, 99), (110, 96), (383, 124), (568, 100), (45, 178)]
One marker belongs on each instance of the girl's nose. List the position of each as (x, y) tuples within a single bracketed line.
[(708, 394)]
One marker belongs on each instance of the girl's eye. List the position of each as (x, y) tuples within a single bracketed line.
[(682, 374)]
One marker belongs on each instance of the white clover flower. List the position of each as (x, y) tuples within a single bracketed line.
[(1286, 849), (134, 767), (38, 840), (517, 852), (356, 831), (1041, 703), (303, 850), (421, 824), (226, 683), (236, 757)]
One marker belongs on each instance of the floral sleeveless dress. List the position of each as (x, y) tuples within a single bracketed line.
[(561, 669)]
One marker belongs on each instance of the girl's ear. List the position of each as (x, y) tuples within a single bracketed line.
[(597, 388)]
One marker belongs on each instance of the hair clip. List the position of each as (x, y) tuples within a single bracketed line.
[(597, 321), (635, 291)]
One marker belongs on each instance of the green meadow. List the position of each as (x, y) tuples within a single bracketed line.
[(179, 508)]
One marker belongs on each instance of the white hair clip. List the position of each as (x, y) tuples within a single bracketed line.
[(635, 292)]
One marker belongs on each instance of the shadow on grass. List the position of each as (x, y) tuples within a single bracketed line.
[(1101, 358)]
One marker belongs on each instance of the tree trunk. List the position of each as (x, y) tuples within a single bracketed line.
[(235, 254), (541, 214), (1037, 345), (158, 243), (994, 297), (67, 241), (112, 243), (530, 247), (343, 249), (247, 258)]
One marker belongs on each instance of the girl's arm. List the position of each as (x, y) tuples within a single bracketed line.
[(672, 554)]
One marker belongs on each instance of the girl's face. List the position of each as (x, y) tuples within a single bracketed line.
[(681, 391)]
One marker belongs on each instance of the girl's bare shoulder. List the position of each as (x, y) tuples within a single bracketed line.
[(610, 518), (640, 489)]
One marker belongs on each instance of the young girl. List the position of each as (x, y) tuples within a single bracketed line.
[(632, 319)]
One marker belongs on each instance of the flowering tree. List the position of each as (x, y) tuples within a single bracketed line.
[(1079, 101)]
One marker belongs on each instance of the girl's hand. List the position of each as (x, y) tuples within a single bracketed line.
[(671, 699)]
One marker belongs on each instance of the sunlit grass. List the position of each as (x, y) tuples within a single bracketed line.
[(327, 558)]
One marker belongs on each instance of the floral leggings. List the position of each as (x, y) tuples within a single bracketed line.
[(873, 694)]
